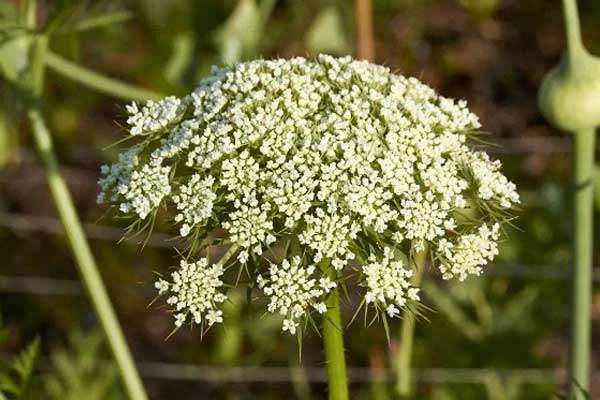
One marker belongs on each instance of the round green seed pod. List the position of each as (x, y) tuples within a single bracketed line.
[(569, 96)]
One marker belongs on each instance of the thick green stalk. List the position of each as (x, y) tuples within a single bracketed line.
[(79, 246), (583, 175), (96, 81), (583, 203), (333, 340), (407, 332)]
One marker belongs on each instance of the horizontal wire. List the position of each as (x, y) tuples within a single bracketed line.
[(254, 374), (541, 145), (190, 372), (53, 226), (29, 223), (38, 285), (507, 146)]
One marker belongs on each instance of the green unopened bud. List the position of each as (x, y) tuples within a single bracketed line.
[(569, 97)]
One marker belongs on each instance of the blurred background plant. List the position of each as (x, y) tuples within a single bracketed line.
[(501, 336), (15, 376), (81, 370)]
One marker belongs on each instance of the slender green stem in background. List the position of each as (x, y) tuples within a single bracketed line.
[(300, 382), (333, 340), (75, 235), (97, 81), (583, 175), (407, 331), (84, 259), (229, 339), (572, 30)]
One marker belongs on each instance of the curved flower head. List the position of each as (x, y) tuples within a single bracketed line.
[(342, 157)]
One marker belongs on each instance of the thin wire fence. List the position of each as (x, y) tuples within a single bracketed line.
[(37, 285), (318, 375)]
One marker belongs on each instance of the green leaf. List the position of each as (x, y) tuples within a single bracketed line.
[(326, 34), (446, 304), (240, 35), (14, 382), (60, 14), (8, 144), (14, 56), (181, 57), (481, 8), (518, 311), (597, 186), (99, 21)]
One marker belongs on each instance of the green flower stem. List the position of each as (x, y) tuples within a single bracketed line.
[(97, 81), (407, 330), (572, 29), (583, 175), (333, 340), (79, 246)]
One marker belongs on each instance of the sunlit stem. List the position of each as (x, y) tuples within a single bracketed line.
[(84, 260), (228, 254), (407, 330), (581, 295), (333, 340)]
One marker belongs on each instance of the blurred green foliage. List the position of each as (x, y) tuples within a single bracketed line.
[(80, 371), (15, 378)]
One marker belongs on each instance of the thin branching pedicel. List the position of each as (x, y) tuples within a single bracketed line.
[(355, 164)]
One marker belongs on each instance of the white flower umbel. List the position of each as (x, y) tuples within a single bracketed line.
[(342, 156), (388, 283), (194, 292), (293, 290)]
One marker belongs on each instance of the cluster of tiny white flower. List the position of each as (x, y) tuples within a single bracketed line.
[(329, 234), (115, 178), (388, 283), (293, 289), (340, 154), (194, 201), (469, 253), (194, 292), (145, 189), (154, 115)]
